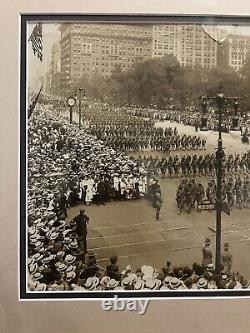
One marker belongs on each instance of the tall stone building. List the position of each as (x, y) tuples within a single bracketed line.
[(98, 48), (238, 46), (189, 43)]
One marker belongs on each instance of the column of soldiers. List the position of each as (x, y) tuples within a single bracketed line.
[(191, 193), (133, 129), (194, 165)]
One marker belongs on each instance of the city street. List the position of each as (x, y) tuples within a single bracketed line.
[(129, 230)]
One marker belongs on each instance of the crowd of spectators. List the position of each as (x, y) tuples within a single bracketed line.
[(67, 166), (69, 273)]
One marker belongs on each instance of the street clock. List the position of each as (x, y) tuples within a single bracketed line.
[(71, 101)]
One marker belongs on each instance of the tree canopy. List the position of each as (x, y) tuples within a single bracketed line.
[(157, 81)]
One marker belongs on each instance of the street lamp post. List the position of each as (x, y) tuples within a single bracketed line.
[(221, 102)]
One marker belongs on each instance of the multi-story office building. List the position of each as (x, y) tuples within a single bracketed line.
[(189, 43), (98, 48), (238, 46), (86, 49)]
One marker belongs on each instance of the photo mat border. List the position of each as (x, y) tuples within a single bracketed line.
[(98, 18)]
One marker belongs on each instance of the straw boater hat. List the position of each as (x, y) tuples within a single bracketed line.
[(211, 285), (66, 240), (54, 287), (112, 284), (139, 284), (73, 244), (69, 259), (167, 280), (37, 256), (245, 284), (71, 268), (119, 288), (70, 276), (132, 277), (174, 283), (92, 282), (210, 267), (77, 288), (153, 284), (60, 254), (61, 267), (33, 268), (164, 288), (31, 261), (202, 283), (126, 282), (37, 276)]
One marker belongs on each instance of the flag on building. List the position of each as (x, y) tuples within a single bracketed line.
[(36, 39)]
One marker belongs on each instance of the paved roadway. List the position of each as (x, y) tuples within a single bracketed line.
[(129, 230)]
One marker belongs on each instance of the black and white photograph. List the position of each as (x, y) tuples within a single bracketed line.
[(135, 157)]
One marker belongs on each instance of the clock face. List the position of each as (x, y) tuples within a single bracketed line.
[(71, 101)]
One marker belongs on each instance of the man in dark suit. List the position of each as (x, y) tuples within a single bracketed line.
[(81, 229)]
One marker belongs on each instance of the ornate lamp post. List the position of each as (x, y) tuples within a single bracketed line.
[(221, 102)]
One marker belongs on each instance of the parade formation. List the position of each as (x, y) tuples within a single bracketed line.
[(71, 168), (137, 179)]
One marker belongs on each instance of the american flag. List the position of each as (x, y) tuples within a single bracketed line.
[(36, 39)]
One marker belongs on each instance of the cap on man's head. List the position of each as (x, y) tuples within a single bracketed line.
[(82, 210), (207, 241)]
